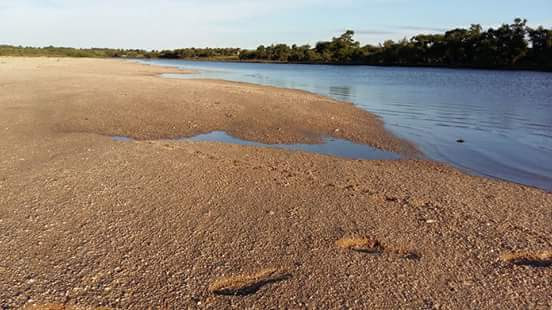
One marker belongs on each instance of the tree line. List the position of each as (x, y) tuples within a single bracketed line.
[(513, 45), (52, 51), (184, 53), (191, 53), (510, 46)]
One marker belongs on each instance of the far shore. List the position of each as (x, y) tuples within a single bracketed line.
[(433, 66), (91, 222), (260, 61)]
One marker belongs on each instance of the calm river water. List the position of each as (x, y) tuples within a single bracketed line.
[(504, 118)]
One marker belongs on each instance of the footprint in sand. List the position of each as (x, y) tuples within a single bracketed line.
[(375, 247), (247, 284), (528, 258)]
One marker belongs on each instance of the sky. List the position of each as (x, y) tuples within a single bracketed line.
[(169, 24)]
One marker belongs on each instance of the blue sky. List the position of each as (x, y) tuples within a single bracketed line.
[(160, 24)]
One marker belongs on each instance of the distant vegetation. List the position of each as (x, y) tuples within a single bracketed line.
[(51, 51), (208, 53), (185, 53), (510, 46)]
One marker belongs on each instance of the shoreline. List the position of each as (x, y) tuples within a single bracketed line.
[(92, 222), (452, 67), (414, 153)]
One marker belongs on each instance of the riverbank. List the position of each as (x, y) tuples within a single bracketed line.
[(89, 221), (377, 65)]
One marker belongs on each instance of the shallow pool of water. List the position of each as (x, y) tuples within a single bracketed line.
[(330, 146)]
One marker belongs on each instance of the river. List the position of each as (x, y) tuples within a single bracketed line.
[(503, 119)]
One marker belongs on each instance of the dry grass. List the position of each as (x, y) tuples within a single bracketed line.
[(366, 245), (246, 284), (528, 258), (373, 246)]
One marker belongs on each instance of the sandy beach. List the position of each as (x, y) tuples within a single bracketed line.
[(90, 222)]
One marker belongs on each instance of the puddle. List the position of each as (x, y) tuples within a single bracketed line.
[(122, 139), (331, 146)]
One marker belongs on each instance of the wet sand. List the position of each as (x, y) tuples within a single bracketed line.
[(90, 222)]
